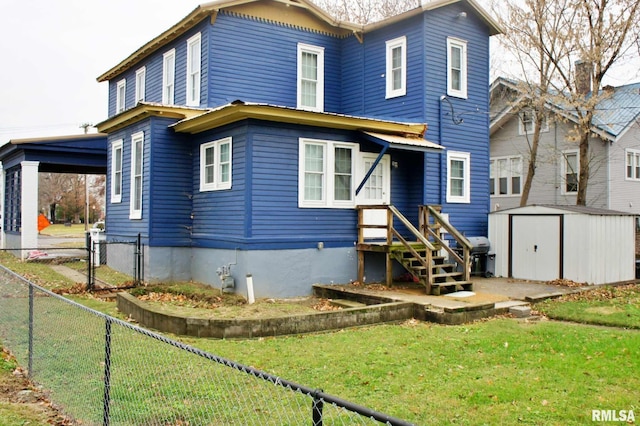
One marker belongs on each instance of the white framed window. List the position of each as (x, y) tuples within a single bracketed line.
[(121, 92), (396, 74), (310, 77), (168, 77), (632, 164), (326, 173), (215, 165), (527, 122), (505, 176), (141, 75), (116, 171), (458, 177), (570, 168), (194, 65), (456, 67), (137, 167)]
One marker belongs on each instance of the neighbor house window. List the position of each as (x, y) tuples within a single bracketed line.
[(116, 171), (140, 84), (570, 169), (121, 92), (326, 173), (215, 165), (458, 177), (456, 68), (505, 176), (193, 70), (310, 77), (633, 164), (396, 67), (528, 123), (137, 150), (168, 77)]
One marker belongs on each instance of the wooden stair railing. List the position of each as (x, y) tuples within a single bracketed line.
[(421, 258)]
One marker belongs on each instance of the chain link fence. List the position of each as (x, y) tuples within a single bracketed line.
[(104, 371)]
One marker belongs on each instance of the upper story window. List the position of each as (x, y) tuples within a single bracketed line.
[(396, 74), (458, 177), (326, 173), (505, 176), (116, 171), (193, 70), (140, 84), (570, 169), (633, 164), (121, 92), (137, 150), (528, 122), (310, 77), (456, 67), (168, 77), (215, 165)]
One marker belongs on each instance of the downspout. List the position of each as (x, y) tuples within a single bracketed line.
[(440, 160), (556, 165)]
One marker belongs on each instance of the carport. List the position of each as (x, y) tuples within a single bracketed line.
[(582, 244), (20, 162)]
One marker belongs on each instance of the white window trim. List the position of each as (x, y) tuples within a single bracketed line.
[(168, 58), (466, 158), (462, 93), (391, 45), (329, 164), (141, 75), (133, 212), (523, 131), (121, 99), (195, 99), (563, 171), (636, 157), (319, 51), (117, 145), (217, 184), (494, 164)]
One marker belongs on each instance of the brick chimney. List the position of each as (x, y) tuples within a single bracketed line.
[(583, 73)]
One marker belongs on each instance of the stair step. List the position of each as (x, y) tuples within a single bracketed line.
[(344, 303), (444, 266), (448, 274), (450, 286)]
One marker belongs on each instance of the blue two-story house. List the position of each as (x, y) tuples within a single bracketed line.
[(243, 138)]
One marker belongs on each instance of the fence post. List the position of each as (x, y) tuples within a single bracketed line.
[(106, 405), (31, 301), (89, 247), (316, 409)]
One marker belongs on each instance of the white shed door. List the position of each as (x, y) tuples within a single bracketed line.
[(535, 249)]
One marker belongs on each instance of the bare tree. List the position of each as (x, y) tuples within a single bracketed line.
[(366, 11)]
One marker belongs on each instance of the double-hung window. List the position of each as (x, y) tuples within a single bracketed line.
[(633, 164), (396, 74), (121, 92), (215, 165), (456, 67), (505, 176), (326, 173), (140, 84), (310, 77), (528, 124), (137, 167), (570, 169), (116, 171), (458, 177), (168, 77), (193, 70)]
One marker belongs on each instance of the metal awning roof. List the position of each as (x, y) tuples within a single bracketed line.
[(409, 143)]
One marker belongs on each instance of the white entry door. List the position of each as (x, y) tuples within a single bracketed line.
[(535, 247), (376, 190)]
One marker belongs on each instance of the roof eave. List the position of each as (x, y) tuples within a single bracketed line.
[(145, 110), (239, 111)]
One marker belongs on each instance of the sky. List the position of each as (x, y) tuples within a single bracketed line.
[(53, 51)]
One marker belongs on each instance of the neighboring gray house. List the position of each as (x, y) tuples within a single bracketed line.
[(614, 181)]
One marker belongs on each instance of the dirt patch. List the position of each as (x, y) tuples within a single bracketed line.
[(604, 310)]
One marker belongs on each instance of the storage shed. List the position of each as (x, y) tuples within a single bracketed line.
[(578, 243)]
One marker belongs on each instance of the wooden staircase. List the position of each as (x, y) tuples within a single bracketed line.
[(422, 258)]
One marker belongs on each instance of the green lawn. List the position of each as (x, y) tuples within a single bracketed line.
[(60, 230)]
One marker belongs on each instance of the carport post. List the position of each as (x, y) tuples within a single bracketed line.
[(29, 206)]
